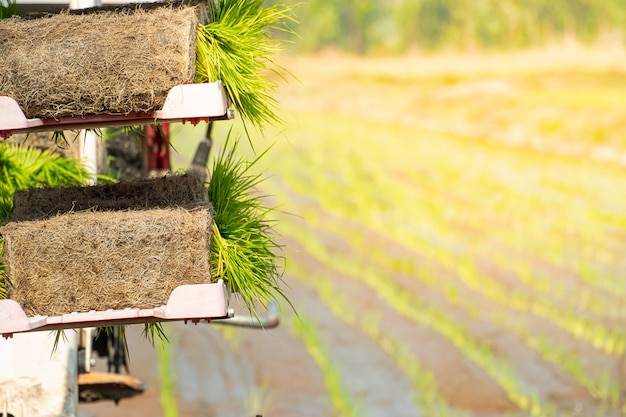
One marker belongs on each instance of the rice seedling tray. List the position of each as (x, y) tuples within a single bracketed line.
[(110, 252), (186, 303), (184, 103), (122, 60)]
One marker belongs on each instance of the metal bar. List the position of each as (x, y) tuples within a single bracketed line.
[(265, 321)]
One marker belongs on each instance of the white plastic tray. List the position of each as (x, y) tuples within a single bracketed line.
[(184, 103), (187, 302)]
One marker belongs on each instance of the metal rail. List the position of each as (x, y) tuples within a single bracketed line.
[(266, 321)]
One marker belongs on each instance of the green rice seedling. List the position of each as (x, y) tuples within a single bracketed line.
[(243, 251), (154, 331), (236, 48), (23, 167), (167, 379), (8, 8)]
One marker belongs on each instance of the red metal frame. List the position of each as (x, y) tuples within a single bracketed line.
[(157, 147)]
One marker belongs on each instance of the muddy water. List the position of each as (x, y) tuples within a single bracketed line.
[(288, 381), (375, 383)]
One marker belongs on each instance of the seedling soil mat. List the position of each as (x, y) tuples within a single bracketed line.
[(126, 245), (117, 61)]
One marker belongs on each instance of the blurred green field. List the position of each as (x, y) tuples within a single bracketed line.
[(476, 199)]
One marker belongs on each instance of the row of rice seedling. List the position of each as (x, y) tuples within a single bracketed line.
[(432, 277), (553, 250), (611, 341), (450, 261), (556, 255), (584, 298), (601, 386), (551, 288), (551, 240), (537, 237), (343, 404), (415, 264), (413, 309), (427, 396)]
